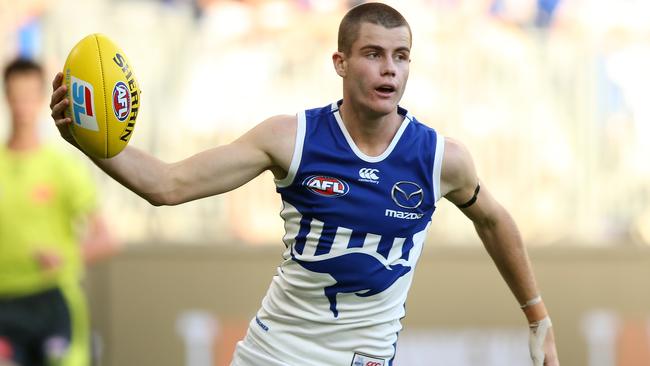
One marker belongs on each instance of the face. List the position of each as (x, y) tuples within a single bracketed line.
[(376, 69), (25, 97)]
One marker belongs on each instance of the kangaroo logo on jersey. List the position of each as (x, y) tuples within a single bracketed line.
[(326, 186), (407, 194), (358, 273), (121, 101), (83, 104), (364, 266)]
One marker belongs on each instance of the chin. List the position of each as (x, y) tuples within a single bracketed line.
[(384, 106)]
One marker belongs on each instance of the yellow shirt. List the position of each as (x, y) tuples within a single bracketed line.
[(43, 193)]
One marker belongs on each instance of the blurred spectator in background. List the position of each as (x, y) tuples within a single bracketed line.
[(47, 207)]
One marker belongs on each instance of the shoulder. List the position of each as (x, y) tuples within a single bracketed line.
[(456, 158), (66, 169), (283, 125), (458, 171), (273, 131), (274, 137), (54, 155)]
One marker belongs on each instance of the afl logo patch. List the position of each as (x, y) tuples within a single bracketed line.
[(121, 101), (407, 194), (326, 186)]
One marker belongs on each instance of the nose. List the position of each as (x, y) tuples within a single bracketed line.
[(388, 67)]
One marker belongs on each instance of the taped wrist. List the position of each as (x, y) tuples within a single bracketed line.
[(538, 332), (534, 301), (544, 323)]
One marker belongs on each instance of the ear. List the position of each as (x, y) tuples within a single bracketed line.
[(340, 63)]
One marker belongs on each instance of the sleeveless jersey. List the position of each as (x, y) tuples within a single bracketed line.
[(355, 226)]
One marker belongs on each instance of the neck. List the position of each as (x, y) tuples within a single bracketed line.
[(23, 139), (371, 132)]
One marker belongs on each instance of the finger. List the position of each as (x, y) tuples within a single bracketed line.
[(58, 78), (58, 95), (58, 110), (63, 121)]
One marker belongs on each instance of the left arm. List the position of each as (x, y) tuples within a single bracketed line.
[(501, 239), (97, 243)]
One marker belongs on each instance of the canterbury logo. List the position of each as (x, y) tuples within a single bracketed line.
[(369, 174)]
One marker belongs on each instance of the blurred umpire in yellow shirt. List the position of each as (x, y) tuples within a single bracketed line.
[(49, 230)]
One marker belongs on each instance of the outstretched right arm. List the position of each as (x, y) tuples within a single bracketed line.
[(268, 146)]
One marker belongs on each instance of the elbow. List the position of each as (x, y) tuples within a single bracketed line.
[(486, 223), (492, 218), (156, 202), (165, 192), (495, 224), (162, 199)]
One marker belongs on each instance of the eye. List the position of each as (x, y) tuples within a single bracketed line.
[(402, 57), (372, 55)]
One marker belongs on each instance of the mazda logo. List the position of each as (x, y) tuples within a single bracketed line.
[(407, 194)]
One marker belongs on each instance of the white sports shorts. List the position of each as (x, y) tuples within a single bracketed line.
[(248, 353)]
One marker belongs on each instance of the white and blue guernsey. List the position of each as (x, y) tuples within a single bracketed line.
[(355, 226)]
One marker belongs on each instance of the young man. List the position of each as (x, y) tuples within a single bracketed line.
[(44, 197), (359, 180)]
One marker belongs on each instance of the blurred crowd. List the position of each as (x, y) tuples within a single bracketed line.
[(547, 94)]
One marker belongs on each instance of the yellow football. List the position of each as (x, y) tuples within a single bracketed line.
[(104, 96)]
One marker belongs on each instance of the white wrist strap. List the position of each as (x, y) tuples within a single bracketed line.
[(541, 324), (534, 301), (538, 331)]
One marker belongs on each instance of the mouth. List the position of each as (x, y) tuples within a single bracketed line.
[(385, 90)]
